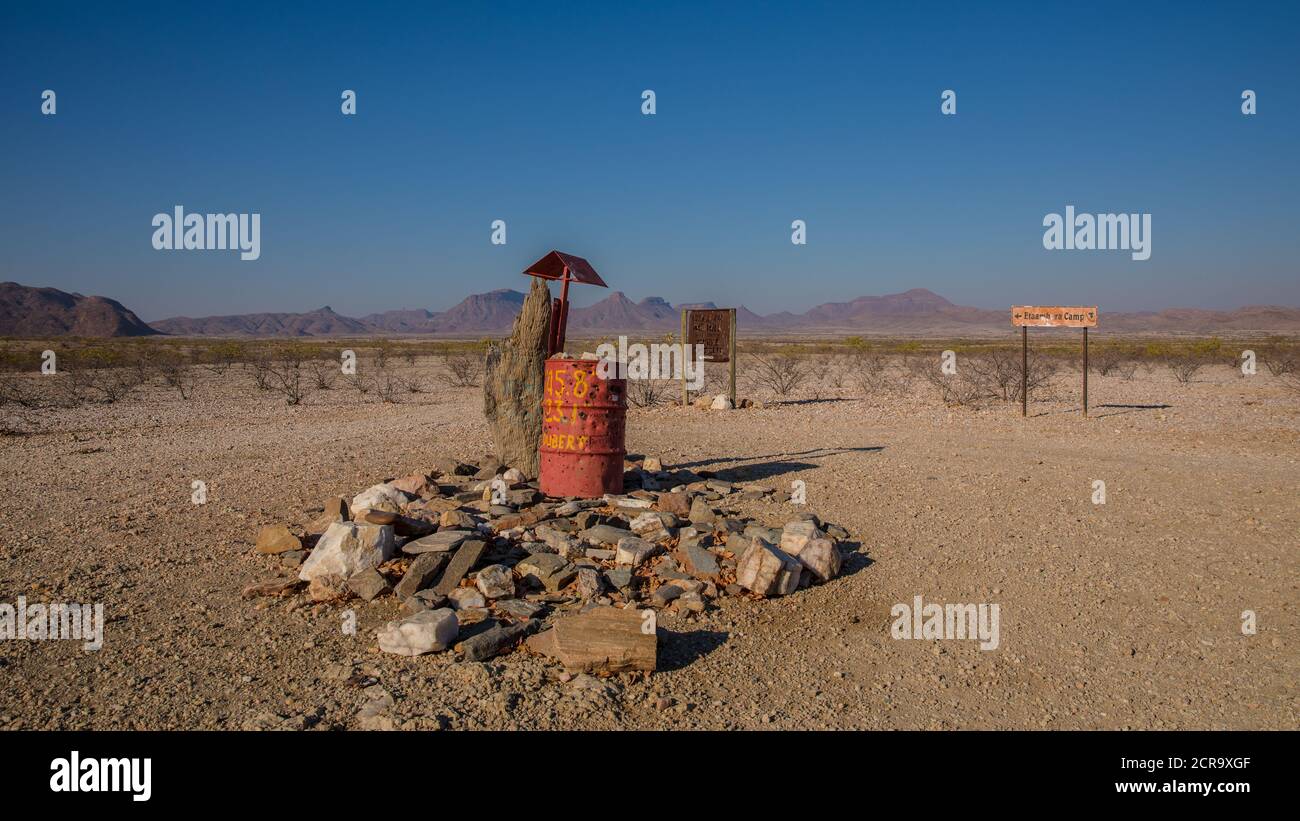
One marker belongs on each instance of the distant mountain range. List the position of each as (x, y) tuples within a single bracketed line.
[(46, 312), (43, 312)]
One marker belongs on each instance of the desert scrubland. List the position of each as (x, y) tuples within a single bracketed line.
[(1127, 614)]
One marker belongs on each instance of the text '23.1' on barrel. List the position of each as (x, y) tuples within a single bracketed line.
[(582, 430)]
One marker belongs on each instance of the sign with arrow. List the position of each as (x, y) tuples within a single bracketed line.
[(1055, 316)]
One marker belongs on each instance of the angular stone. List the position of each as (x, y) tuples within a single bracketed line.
[(633, 551), (472, 615), (630, 502), (599, 554), (701, 513), (589, 583), (665, 593), (420, 574), (822, 559), (347, 548), (417, 484), (496, 582), (676, 503), (602, 640), (691, 601), (619, 578), (467, 555), (368, 584), (327, 587), (274, 587), (721, 402), (547, 570), (492, 642), (659, 537), (378, 497), (699, 562), (653, 520), (336, 509), (652, 464), (425, 632), (768, 571), (464, 598), (577, 506), (520, 608), (522, 497), (276, 539), (561, 542), (795, 535), (604, 534), (457, 520)]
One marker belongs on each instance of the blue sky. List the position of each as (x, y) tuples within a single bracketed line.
[(530, 113)]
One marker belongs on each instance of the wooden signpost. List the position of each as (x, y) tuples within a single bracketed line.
[(1025, 317), (715, 329)]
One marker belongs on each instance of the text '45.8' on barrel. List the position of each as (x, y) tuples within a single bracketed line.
[(582, 430)]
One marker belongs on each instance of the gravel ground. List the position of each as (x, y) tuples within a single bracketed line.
[(1122, 615)]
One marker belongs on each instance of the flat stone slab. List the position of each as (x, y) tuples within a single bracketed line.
[(467, 555), (440, 542), (605, 534)]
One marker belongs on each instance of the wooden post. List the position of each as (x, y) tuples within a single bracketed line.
[(1085, 370), (731, 358), (685, 353), (1024, 370)]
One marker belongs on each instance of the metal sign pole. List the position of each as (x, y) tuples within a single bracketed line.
[(1085, 370), (1024, 370)]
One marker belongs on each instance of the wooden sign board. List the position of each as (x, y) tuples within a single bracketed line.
[(1054, 316), (715, 330), (712, 329)]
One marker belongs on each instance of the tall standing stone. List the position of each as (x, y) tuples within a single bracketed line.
[(513, 383)]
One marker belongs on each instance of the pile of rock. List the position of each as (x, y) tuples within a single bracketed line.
[(480, 562)]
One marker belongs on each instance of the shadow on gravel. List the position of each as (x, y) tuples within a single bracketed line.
[(827, 400), (854, 559), (1077, 409), (677, 650), (1128, 409), (779, 463)]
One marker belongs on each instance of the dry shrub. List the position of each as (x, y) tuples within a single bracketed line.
[(1281, 360), (1108, 361), (780, 374), (288, 376), (647, 393), (1184, 366), (995, 375), (874, 373), (177, 372), (464, 370), (322, 373)]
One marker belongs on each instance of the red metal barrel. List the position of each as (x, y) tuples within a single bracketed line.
[(582, 430)]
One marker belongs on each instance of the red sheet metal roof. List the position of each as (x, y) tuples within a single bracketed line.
[(553, 264)]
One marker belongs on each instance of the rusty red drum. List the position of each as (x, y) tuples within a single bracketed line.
[(582, 430)]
